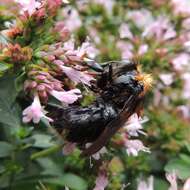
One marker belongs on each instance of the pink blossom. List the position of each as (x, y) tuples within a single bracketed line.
[(143, 49), (184, 111), (187, 46), (30, 6), (34, 112), (181, 61), (161, 29), (186, 85), (169, 34), (143, 185), (93, 33), (125, 32), (181, 7), (77, 76), (172, 179), (69, 45), (167, 78), (134, 146), (101, 181), (58, 62), (126, 49), (62, 30), (186, 24), (68, 97), (72, 19), (157, 97), (87, 49), (69, 148), (187, 184), (133, 125), (142, 18)]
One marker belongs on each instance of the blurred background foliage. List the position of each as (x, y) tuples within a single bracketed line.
[(33, 159)]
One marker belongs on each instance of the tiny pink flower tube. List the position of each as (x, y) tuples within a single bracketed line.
[(187, 184), (40, 77), (77, 76), (134, 146), (101, 181), (172, 179), (34, 112), (68, 97), (41, 87), (58, 62)]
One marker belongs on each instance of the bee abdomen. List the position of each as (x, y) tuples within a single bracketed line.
[(85, 124)]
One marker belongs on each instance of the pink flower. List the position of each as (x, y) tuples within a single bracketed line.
[(142, 18), (101, 181), (125, 32), (30, 6), (184, 111), (69, 45), (143, 49), (187, 46), (68, 97), (186, 24), (69, 148), (187, 184), (133, 125), (181, 7), (34, 112), (87, 49), (72, 19), (186, 85), (167, 78), (134, 146), (172, 179), (181, 61), (126, 49), (157, 97), (161, 29), (143, 185), (77, 76), (62, 30)]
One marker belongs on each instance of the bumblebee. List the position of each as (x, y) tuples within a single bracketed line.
[(121, 87)]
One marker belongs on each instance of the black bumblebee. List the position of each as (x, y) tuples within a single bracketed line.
[(120, 88)]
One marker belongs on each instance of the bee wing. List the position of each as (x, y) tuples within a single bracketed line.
[(130, 107)]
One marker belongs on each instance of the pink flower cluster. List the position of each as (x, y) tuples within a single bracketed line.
[(61, 66), (133, 128), (64, 61), (171, 178)]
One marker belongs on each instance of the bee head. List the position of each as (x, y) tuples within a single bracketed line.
[(131, 79)]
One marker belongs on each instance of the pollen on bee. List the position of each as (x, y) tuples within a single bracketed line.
[(146, 80)]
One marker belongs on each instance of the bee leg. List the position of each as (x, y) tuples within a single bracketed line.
[(110, 74), (94, 65)]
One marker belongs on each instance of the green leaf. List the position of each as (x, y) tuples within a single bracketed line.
[(9, 110), (5, 149), (160, 184), (50, 167), (180, 166), (3, 39), (70, 180), (4, 67), (19, 82), (42, 141)]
